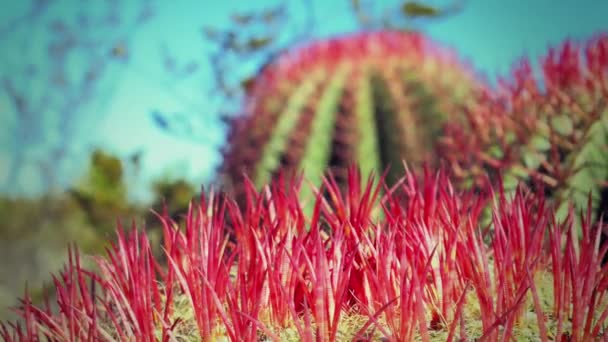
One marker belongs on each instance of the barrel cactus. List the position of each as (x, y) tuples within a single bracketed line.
[(368, 99), (551, 131)]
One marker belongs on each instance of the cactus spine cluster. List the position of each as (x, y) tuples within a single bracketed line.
[(551, 131), (370, 99)]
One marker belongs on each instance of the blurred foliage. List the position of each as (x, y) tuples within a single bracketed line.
[(35, 232), (401, 14), (102, 193), (175, 195), (251, 35)]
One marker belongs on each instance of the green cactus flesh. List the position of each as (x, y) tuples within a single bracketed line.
[(371, 100)]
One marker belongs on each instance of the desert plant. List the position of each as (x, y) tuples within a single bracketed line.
[(424, 272), (551, 131), (369, 99)]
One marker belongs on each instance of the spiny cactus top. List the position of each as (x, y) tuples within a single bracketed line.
[(370, 99), (553, 130)]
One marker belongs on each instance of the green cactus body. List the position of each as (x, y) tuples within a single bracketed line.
[(371, 99), (367, 156), (279, 139), (553, 131)]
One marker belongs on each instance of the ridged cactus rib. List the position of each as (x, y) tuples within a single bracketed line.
[(389, 141), (344, 136), (368, 158), (376, 98), (591, 168), (318, 146), (286, 124), (405, 119), (425, 102), (552, 131)]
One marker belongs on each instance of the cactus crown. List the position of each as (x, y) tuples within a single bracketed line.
[(370, 99)]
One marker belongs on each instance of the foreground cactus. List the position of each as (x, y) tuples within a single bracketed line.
[(552, 131), (370, 99), (426, 272)]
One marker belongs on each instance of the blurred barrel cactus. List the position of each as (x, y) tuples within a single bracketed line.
[(369, 99), (551, 130)]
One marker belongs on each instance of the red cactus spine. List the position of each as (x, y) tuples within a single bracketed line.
[(552, 131)]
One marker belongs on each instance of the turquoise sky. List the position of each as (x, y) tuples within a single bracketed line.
[(489, 34)]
